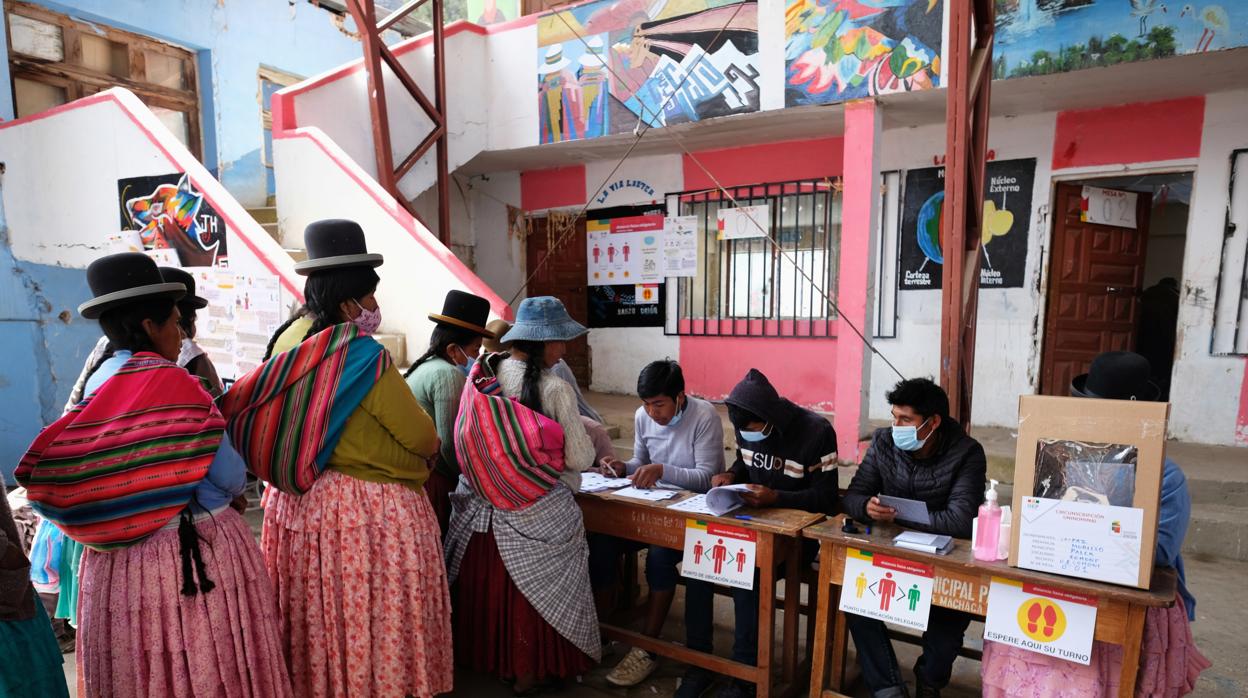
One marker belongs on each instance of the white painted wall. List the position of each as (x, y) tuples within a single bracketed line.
[(498, 256), (619, 354), (1204, 390)]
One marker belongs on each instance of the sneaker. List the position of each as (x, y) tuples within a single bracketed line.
[(737, 689), (694, 683), (634, 668)]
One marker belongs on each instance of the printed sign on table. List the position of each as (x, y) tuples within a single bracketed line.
[(1081, 539), (680, 247), (624, 250), (1041, 619), (719, 554), (1108, 207), (887, 588), (744, 223)]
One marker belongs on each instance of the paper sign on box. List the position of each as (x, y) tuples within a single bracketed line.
[(1041, 619)]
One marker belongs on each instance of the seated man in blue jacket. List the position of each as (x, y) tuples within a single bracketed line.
[(787, 454), (926, 456)]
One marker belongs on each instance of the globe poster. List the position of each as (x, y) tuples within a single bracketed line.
[(1007, 220)]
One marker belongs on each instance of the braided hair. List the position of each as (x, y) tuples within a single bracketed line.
[(530, 388), (124, 325), (442, 338)]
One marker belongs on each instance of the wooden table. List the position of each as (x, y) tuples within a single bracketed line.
[(778, 532), (961, 583)]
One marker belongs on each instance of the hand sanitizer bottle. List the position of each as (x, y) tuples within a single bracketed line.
[(988, 532)]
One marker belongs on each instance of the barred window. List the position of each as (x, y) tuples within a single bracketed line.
[(745, 286)]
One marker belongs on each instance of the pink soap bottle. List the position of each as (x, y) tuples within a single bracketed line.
[(988, 529)]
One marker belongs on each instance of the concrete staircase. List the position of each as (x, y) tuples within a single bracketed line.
[(267, 218)]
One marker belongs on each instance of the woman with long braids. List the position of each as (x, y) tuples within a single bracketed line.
[(524, 609), (349, 537), (173, 596), (437, 379)]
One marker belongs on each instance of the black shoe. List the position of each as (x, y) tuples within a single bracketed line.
[(737, 689), (694, 683), (922, 690)]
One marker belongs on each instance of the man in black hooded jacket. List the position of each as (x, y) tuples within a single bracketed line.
[(927, 456), (787, 454)]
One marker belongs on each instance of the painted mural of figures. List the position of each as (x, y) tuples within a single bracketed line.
[(560, 111), (595, 88)]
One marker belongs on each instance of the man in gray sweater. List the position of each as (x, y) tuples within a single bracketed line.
[(679, 442)]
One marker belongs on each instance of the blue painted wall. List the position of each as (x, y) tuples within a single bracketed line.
[(233, 38)]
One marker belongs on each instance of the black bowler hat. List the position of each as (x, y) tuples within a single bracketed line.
[(122, 278), (334, 244), (176, 275), (462, 309), (1117, 375)]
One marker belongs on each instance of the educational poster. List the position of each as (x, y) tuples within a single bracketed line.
[(743, 223), (214, 325), (627, 305), (719, 554), (168, 212), (887, 588), (1042, 619), (624, 250), (1007, 220), (680, 247), (1081, 539), (258, 313)]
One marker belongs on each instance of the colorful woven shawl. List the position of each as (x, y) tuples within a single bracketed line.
[(123, 462), (511, 455), (287, 415)]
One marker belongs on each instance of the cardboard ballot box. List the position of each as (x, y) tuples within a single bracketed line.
[(1087, 485)]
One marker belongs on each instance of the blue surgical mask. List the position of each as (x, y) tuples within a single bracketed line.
[(907, 438), (754, 435), (467, 367), (680, 413)]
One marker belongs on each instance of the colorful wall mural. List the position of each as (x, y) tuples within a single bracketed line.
[(843, 49), (485, 12), (603, 67), (1039, 37)]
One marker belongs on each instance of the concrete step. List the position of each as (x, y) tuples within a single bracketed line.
[(267, 214), (299, 255), (1218, 529), (271, 229)]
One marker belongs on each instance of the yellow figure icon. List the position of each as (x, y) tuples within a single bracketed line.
[(860, 584)]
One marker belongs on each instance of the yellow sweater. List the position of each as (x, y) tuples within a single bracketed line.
[(388, 438)]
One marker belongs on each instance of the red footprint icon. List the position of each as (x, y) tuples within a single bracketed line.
[(1050, 620), (1033, 617)]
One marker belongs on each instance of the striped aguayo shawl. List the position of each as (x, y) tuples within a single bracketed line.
[(123, 462), (510, 455), (287, 415)]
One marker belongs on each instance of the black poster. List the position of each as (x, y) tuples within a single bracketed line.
[(168, 212), (1007, 220), (617, 306)]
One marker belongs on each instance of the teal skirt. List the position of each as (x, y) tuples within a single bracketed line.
[(32, 659), (67, 602)]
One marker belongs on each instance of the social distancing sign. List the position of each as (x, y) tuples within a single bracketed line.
[(1042, 619), (887, 588), (719, 554)]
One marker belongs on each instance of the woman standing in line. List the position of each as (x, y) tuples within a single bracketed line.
[(173, 597), (349, 536), (525, 611), (437, 379)]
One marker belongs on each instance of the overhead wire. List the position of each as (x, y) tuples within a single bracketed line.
[(641, 129)]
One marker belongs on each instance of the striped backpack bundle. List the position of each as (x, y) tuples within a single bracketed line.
[(511, 455)]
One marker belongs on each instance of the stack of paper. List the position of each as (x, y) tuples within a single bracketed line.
[(595, 482), (924, 542), (652, 495), (721, 500)]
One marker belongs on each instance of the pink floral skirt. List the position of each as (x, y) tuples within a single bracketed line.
[(362, 587), (139, 636), (1169, 665)]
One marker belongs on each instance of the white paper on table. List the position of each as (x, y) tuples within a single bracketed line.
[(911, 510), (651, 495), (596, 482), (1080, 539), (721, 500), (694, 505)]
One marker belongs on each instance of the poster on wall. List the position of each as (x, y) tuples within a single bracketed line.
[(680, 247), (214, 325), (1007, 221), (486, 12), (1056, 36), (258, 310), (743, 223), (168, 212), (627, 305), (837, 50), (624, 250), (604, 67)]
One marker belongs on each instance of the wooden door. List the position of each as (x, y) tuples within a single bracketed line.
[(563, 276), (1095, 279)]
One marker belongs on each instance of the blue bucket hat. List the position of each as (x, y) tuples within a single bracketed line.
[(543, 319)]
